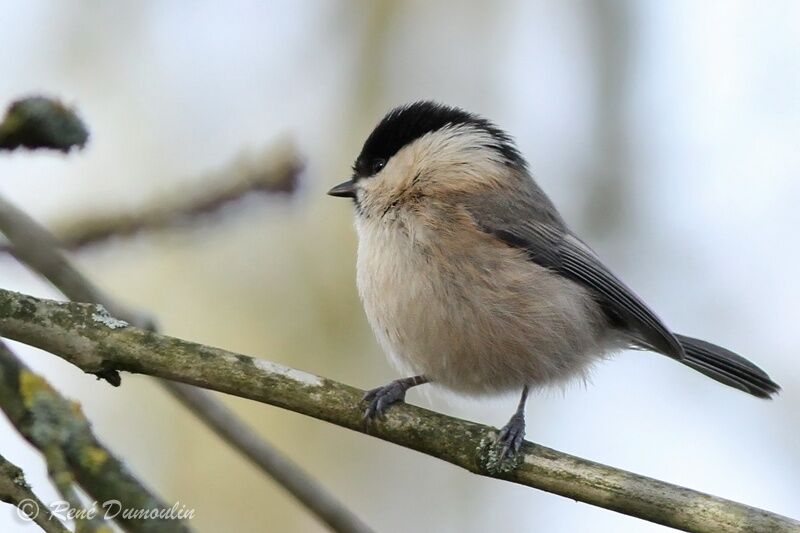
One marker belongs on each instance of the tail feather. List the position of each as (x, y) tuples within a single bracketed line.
[(726, 367)]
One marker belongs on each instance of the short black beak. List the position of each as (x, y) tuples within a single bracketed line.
[(344, 190)]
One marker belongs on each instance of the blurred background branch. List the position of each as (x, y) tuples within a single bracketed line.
[(276, 170), (61, 327), (262, 454), (610, 195)]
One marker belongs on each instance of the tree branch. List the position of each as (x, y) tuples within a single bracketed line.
[(16, 491), (58, 428), (275, 171), (36, 247), (62, 478), (88, 337), (283, 470)]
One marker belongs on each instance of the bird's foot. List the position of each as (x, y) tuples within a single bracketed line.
[(379, 399), (511, 438), (504, 452)]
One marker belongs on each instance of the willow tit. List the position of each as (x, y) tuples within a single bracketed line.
[(471, 279)]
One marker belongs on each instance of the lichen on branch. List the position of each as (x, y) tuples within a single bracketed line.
[(59, 429)]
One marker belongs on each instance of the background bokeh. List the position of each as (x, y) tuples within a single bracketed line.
[(666, 132)]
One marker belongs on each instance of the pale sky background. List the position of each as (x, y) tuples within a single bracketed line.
[(666, 132)]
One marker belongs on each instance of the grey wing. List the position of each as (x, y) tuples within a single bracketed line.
[(555, 248)]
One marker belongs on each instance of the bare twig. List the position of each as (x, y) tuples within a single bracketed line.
[(38, 122), (59, 429), (36, 247), (236, 433), (85, 336), (16, 491), (275, 171)]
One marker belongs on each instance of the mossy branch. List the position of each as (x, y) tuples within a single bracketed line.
[(58, 428), (88, 337)]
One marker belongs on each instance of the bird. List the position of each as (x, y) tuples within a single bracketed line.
[(471, 279)]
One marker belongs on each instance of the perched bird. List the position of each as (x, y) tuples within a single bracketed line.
[(471, 280)]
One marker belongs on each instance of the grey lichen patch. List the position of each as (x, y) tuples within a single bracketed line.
[(52, 420), (14, 474), (303, 378), (102, 316), (298, 376), (19, 480), (489, 455)]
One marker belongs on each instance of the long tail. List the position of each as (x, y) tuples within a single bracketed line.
[(727, 367)]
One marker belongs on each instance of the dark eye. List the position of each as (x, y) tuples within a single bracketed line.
[(377, 165)]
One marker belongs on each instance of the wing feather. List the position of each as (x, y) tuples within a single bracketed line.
[(558, 250)]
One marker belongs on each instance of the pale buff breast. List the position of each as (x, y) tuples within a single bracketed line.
[(472, 321)]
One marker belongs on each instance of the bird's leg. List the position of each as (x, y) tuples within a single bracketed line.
[(382, 397), (513, 434)]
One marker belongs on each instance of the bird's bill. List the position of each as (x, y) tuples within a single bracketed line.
[(344, 190)]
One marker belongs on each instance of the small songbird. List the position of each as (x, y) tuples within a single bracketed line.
[(471, 280)]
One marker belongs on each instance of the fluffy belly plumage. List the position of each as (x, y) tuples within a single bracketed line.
[(474, 324)]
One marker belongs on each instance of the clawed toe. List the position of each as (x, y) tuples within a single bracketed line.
[(370, 394), (511, 438), (379, 399)]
